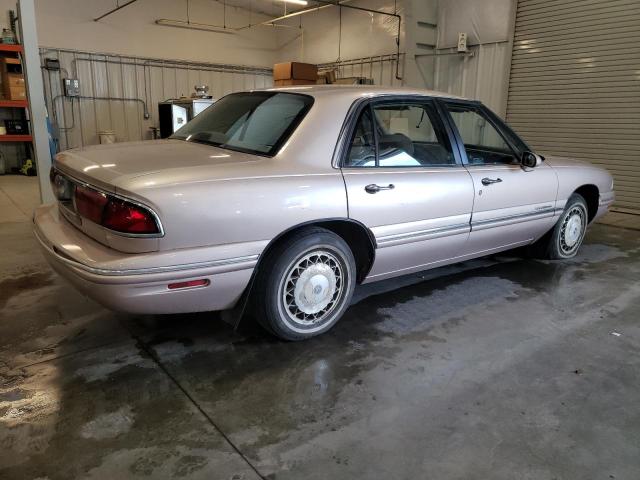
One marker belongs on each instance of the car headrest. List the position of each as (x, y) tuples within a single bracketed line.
[(396, 141)]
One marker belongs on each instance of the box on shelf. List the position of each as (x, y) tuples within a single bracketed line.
[(295, 71), (15, 79), (17, 127), (292, 81), (14, 93), (13, 86), (327, 77), (354, 81)]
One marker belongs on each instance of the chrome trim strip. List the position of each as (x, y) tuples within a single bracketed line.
[(495, 222), (149, 270), (410, 237), (155, 216)]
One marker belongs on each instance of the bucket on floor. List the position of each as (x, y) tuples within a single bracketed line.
[(107, 136)]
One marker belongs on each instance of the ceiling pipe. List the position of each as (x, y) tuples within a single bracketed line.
[(272, 21), (120, 7), (206, 27)]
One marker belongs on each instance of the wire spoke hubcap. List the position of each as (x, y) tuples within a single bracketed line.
[(313, 286), (572, 231)]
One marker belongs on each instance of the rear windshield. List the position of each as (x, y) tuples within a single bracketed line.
[(252, 122)]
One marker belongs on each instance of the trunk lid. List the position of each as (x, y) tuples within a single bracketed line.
[(106, 166), (115, 167)]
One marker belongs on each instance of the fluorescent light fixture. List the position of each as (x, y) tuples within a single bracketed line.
[(165, 22), (297, 2)]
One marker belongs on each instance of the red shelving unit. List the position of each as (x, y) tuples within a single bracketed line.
[(7, 47), (16, 138), (14, 103)]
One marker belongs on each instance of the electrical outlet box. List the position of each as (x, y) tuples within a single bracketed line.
[(52, 64), (71, 87), (462, 41)]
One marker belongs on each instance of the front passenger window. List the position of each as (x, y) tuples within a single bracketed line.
[(483, 143)]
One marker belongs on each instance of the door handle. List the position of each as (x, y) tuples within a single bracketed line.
[(373, 188), (488, 181)]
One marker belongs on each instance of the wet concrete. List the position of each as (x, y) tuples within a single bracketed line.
[(499, 368)]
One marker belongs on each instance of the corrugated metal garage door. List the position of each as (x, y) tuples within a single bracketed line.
[(574, 88)]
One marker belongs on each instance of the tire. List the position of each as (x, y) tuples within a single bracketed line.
[(566, 237), (305, 284)]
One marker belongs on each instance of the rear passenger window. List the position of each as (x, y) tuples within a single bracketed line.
[(408, 134), (362, 152)]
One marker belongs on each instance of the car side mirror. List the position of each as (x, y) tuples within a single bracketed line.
[(531, 160)]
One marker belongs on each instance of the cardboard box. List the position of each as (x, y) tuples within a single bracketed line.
[(293, 81), (15, 93), (15, 79), (295, 71), (327, 77)]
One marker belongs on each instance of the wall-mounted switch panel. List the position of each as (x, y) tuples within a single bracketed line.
[(71, 87), (462, 41)]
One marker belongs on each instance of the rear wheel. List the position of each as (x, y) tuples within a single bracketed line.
[(305, 284), (565, 239)]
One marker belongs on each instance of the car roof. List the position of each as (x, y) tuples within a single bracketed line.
[(351, 92)]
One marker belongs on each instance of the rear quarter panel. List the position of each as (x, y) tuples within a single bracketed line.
[(252, 202), (242, 210)]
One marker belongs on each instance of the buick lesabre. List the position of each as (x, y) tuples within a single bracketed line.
[(282, 200)]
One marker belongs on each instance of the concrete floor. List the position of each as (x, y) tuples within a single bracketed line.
[(501, 368)]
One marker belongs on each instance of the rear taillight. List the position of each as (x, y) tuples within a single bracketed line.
[(109, 211), (62, 188), (90, 203), (125, 217)]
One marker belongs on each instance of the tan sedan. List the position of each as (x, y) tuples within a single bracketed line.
[(283, 200)]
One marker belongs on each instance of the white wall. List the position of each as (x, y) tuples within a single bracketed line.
[(482, 76), (314, 37), (68, 24), (131, 31), (363, 34)]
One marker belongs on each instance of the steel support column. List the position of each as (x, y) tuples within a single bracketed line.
[(35, 95)]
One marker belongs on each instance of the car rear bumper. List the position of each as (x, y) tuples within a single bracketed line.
[(138, 283)]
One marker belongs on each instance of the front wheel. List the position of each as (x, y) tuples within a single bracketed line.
[(566, 237), (305, 284)]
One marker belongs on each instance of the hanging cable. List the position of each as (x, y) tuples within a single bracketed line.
[(301, 41), (339, 30)]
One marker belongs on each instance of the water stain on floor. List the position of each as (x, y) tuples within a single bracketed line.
[(32, 281)]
